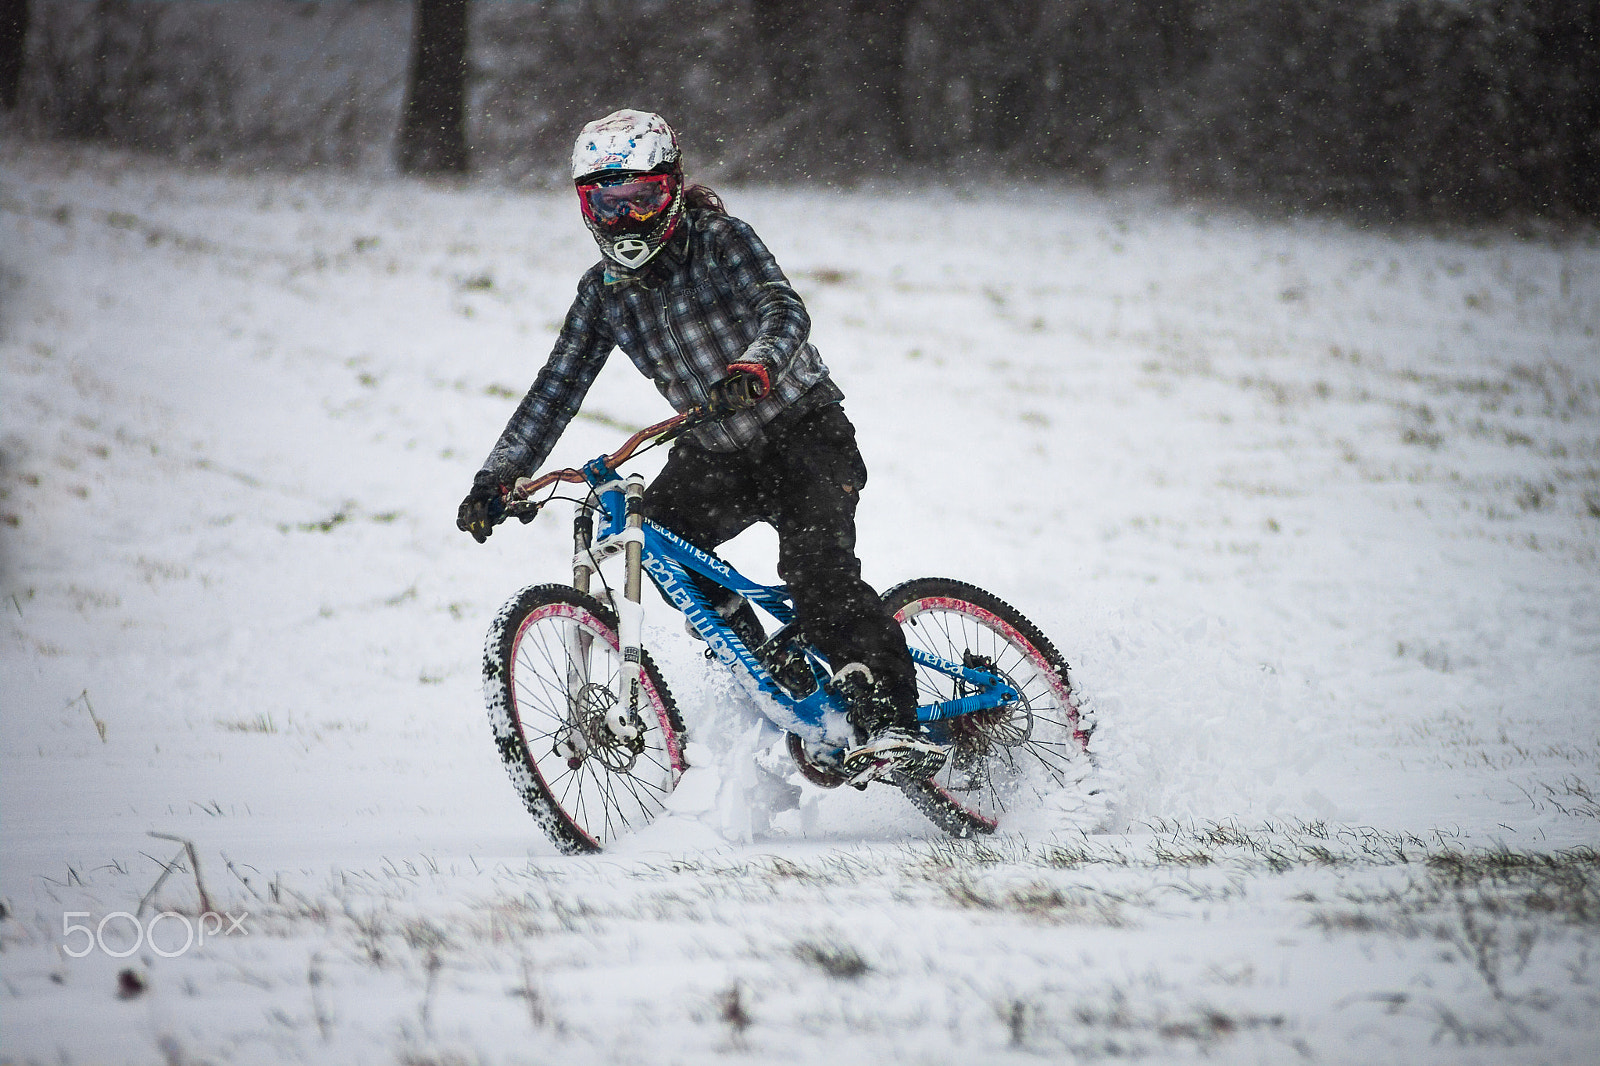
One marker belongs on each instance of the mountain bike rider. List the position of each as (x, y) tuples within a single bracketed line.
[(688, 291)]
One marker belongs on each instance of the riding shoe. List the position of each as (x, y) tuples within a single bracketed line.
[(889, 738)]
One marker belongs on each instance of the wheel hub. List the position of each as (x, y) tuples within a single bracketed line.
[(590, 709), (982, 732)]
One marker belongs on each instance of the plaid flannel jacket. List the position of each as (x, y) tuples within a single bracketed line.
[(713, 296)]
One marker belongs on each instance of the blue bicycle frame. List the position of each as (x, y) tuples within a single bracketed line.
[(816, 716)]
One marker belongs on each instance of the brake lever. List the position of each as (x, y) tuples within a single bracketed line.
[(524, 510)]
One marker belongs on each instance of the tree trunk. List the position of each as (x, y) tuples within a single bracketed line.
[(882, 26), (433, 135), (13, 35), (785, 34), (863, 108)]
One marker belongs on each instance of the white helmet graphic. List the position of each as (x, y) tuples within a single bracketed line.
[(624, 140), (627, 169)]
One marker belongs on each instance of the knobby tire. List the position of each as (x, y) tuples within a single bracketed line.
[(551, 664), (1001, 761)]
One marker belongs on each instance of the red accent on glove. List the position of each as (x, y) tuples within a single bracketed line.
[(756, 370)]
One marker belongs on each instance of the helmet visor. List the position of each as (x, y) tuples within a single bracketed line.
[(627, 203)]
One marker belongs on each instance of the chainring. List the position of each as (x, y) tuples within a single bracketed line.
[(819, 774)]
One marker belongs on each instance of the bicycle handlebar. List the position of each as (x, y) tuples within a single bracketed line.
[(524, 487)]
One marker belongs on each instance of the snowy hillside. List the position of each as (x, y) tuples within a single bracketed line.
[(1314, 514)]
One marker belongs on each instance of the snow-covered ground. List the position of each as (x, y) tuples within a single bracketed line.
[(1313, 513)]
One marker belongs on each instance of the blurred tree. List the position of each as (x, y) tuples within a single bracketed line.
[(882, 26), (837, 68), (782, 30), (433, 133), (1556, 142), (13, 34)]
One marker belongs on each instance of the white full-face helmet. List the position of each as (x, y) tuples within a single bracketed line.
[(629, 176)]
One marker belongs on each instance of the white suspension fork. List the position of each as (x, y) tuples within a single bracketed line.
[(630, 616), (570, 742)]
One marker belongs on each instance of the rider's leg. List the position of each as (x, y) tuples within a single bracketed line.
[(805, 480), (704, 497), (816, 481), (708, 498), (840, 612)]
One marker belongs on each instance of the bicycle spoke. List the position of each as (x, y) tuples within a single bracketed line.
[(632, 784)]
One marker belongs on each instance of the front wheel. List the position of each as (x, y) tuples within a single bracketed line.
[(587, 771), (1002, 760)]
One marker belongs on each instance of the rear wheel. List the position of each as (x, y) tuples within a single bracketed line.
[(1001, 760), (587, 772)]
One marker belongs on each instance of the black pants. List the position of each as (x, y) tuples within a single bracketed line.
[(804, 481)]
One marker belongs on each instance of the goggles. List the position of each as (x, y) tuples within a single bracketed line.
[(636, 199)]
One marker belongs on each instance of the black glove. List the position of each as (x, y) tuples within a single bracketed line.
[(745, 386), (481, 511)]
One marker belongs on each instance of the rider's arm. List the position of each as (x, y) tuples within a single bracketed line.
[(580, 351), (784, 323)]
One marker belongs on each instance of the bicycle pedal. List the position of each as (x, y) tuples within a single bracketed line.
[(917, 759), (865, 768), (857, 761), (876, 772)]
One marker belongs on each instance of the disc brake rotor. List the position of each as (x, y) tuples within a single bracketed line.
[(982, 732), (589, 711)]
